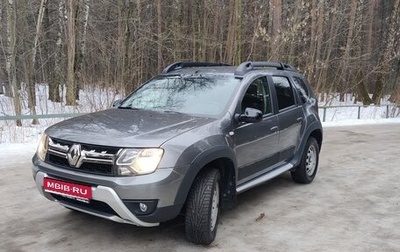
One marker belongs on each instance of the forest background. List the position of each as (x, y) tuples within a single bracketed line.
[(342, 46)]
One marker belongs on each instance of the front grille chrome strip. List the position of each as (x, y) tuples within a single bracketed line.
[(58, 153), (88, 156), (58, 147)]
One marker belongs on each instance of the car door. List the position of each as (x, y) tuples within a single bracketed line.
[(290, 117), (256, 144)]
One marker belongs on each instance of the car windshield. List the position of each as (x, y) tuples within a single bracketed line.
[(203, 95)]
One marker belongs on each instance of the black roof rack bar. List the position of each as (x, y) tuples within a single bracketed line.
[(186, 64), (247, 66)]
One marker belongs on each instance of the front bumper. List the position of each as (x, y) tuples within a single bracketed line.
[(103, 194), (115, 198)]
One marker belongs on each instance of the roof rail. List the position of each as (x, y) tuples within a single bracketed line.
[(247, 66), (186, 64)]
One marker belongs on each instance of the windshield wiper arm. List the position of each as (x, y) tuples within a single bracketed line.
[(133, 108), (173, 112)]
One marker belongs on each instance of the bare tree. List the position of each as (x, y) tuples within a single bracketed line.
[(342, 46), (159, 35), (11, 57), (80, 50), (276, 15), (31, 65), (71, 86), (53, 47), (389, 53)]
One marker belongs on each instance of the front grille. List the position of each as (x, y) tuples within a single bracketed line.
[(97, 168), (59, 161), (82, 157)]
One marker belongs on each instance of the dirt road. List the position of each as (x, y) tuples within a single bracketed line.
[(352, 205)]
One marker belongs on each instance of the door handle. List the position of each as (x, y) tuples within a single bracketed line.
[(274, 129), (300, 119)]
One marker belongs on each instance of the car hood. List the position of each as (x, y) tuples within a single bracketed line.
[(125, 128)]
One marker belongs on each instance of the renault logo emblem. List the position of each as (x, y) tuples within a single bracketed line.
[(74, 155)]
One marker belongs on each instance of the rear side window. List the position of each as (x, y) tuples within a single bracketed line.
[(301, 86), (284, 92)]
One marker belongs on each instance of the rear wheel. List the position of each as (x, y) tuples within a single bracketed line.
[(202, 208), (308, 167)]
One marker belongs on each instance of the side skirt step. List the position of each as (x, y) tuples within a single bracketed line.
[(263, 178)]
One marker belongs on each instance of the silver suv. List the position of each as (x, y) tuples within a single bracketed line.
[(187, 141)]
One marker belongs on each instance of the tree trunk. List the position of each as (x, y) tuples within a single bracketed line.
[(346, 70), (230, 48), (333, 31), (71, 87), (204, 33), (319, 39), (239, 42), (2, 73), (81, 46), (125, 51), (389, 54), (11, 58), (276, 29), (31, 66), (59, 81), (140, 46), (159, 36), (311, 52)]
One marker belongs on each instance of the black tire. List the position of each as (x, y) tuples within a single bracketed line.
[(202, 208), (306, 171)]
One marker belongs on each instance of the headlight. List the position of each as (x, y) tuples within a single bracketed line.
[(138, 161), (42, 148)]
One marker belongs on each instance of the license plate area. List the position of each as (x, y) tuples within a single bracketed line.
[(68, 189)]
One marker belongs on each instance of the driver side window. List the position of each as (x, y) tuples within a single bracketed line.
[(257, 96)]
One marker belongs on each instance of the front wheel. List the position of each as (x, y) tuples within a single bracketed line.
[(202, 208), (308, 167)]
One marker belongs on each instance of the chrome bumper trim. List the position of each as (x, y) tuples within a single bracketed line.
[(103, 194)]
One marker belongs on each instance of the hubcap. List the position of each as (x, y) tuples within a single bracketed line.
[(214, 207), (311, 160)]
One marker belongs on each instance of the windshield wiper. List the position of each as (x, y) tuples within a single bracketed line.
[(173, 112), (133, 108)]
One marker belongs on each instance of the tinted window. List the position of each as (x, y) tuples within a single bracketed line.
[(199, 95), (301, 86), (284, 92), (257, 96)]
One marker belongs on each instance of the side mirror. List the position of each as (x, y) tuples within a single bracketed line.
[(116, 103), (251, 115)]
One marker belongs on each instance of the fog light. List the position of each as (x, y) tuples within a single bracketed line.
[(143, 207)]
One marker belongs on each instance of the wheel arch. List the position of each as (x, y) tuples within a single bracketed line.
[(317, 134), (220, 157), (315, 131)]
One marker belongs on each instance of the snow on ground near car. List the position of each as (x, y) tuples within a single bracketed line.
[(30, 146), (31, 133), (355, 122), (95, 99)]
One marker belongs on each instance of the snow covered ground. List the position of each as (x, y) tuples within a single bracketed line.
[(95, 98), (355, 122)]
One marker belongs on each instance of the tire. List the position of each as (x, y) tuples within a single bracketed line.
[(202, 208), (306, 171)]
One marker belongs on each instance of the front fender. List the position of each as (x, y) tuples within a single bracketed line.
[(199, 162)]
